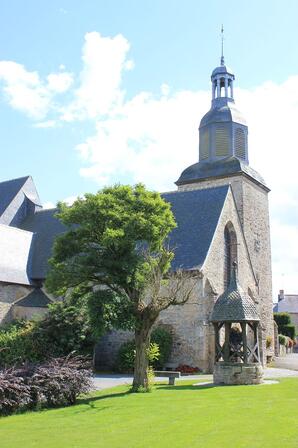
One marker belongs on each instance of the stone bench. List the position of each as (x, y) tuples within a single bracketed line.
[(168, 374)]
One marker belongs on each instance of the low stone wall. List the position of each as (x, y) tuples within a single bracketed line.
[(237, 373)]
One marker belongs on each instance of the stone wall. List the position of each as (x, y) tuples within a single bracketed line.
[(193, 335), (9, 293), (252, 205)]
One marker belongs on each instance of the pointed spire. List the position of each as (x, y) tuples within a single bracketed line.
[(222, 59)]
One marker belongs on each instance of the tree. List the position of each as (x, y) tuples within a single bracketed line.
[(114, 254)]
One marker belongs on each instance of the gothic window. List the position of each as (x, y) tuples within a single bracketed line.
[(230, 252), (204, 144), (239, 137), (221, 140)]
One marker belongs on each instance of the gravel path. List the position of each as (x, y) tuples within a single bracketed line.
[(102, 381)]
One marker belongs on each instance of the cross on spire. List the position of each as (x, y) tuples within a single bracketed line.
[(222, 59)]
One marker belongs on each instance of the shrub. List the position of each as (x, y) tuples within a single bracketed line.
[(127, 352), (186, 369), (288, 330), (282, 339), (282, 318), (284, 324), (57, 383), (126, 357), (164, 340), (17, 344), (64, 330), (14, 393)]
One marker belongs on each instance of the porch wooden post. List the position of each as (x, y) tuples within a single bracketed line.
[(227, 342), (244, 340)]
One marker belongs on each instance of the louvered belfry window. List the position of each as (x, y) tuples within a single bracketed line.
[(204, 144), (221, 140), (239, 138)]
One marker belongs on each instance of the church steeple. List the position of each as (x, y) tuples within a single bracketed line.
[(223, 131)]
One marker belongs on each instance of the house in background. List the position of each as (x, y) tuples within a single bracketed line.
[(288, 303)]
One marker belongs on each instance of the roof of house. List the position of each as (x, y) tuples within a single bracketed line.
[(197, 213), (46, 227), (289, 304), (35, 298)]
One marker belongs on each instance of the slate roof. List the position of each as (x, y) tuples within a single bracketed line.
[(36, 298), (46, 227), (234, 305), (289, 304), (220, 168), (197, 213), (8, 190)]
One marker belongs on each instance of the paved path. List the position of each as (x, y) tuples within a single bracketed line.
[(287, 362), (106, 381)]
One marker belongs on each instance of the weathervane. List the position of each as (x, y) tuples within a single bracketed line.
[(222, 59)]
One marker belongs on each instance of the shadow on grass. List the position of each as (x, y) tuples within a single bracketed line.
[(192, 387), (90, 400)]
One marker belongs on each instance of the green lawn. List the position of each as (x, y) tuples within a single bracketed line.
[(180, 416)]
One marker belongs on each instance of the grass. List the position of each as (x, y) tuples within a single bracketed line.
[(180, 416)]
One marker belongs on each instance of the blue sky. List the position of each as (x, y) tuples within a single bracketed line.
[(98, 92)]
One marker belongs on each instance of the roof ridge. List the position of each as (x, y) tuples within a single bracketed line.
[(17, 178)]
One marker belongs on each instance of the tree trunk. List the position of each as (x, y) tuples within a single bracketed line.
[(142, 341)]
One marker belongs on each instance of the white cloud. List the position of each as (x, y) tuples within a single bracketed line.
[(46, 124), (59, 82), (24, 90), (104, 60), (28, 93)]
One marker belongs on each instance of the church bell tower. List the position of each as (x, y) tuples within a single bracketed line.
[(223, 160)]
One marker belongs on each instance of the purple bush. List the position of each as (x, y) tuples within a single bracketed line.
[(14, 393), (56, 383)]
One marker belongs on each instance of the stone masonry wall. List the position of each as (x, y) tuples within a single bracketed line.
[(252, 205), (8, 294)]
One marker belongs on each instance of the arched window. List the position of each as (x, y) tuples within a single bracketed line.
[(230, 252)]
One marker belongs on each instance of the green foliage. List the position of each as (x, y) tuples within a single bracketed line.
[(284, 324), (288, 330), (160, 349), (98, 254), (164, 340), (65, 329), (126, 357), (282, 339), (282, 318), (152, 352), (127, 353), (17, 343)]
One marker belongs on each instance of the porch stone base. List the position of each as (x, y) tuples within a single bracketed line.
[(237, 373)]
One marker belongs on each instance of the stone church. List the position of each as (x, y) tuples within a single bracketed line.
[(221, 208)]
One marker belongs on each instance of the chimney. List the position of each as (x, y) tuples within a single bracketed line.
[(281, 295)]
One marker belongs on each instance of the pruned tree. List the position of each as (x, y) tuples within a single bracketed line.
[(114, 254)]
